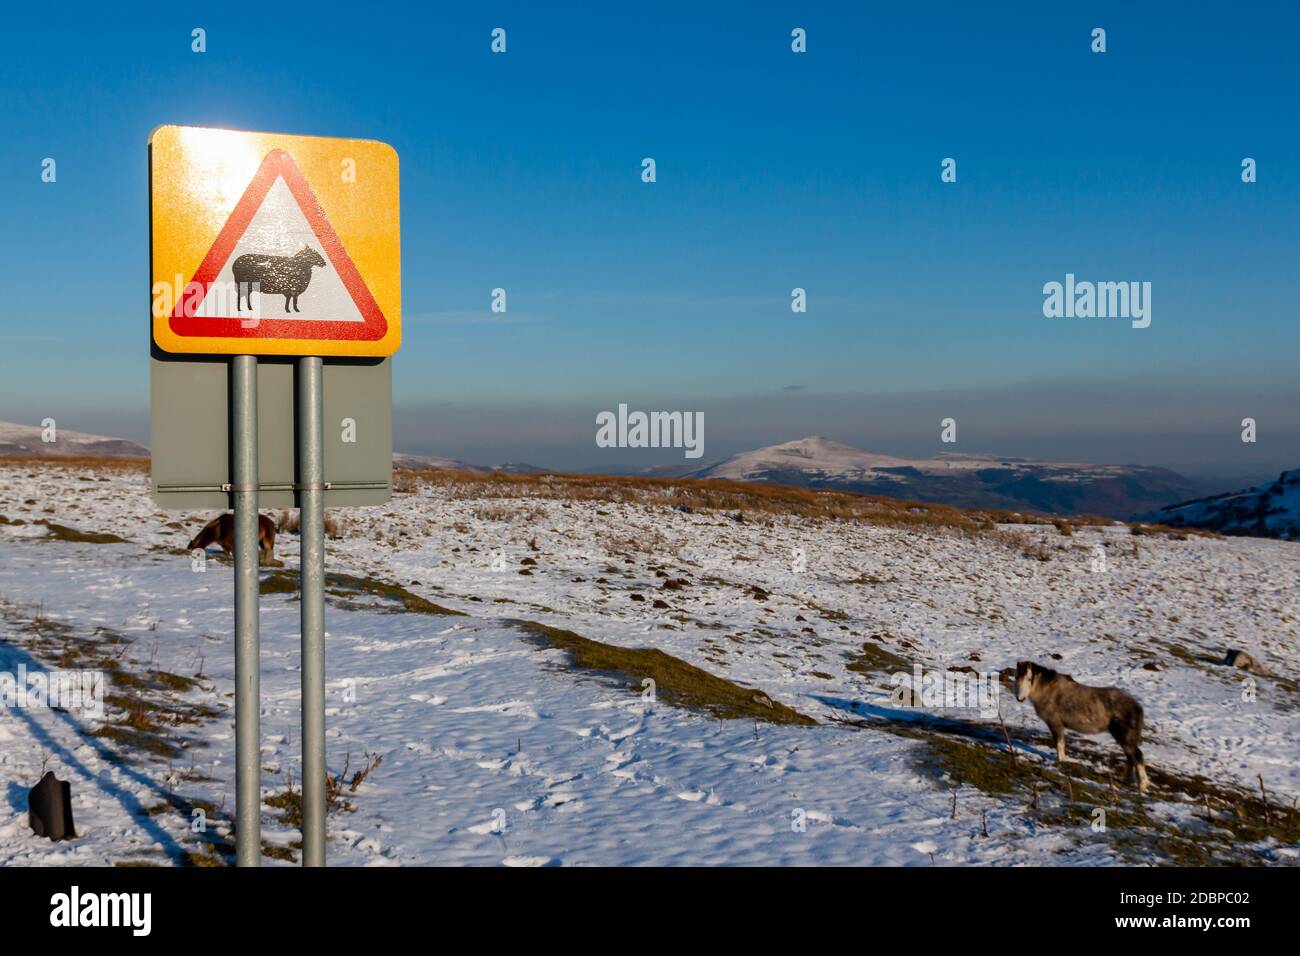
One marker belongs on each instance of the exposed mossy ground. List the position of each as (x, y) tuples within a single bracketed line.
[(676, 682), (356, 593), (63, 533), (875, 659)]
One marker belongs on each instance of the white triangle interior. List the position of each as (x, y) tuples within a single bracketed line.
[(279, 228)]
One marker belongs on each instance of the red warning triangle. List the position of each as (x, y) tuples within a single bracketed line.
[(278, 164)]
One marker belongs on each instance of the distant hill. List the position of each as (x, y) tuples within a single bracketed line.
[(18, 439), (1270, 510), (964, 480), (435, 463), (403, 460)]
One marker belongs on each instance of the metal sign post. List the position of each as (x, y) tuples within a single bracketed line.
[(311, 489), (248, 741)]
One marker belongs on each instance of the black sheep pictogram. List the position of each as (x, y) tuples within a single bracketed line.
[(277, 275)]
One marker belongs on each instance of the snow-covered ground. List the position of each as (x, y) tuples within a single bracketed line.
[(496, 750)]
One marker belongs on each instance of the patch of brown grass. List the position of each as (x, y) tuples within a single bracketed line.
[(1178, 534), (98, 463), (709, 497), (63, 533), (1029, 545)]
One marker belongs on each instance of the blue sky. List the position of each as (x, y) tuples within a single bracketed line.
[(775, 170)]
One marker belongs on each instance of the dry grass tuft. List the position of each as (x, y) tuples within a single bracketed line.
[(96, 463)]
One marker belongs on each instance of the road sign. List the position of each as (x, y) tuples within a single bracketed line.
[(272, 244), (265, 244)]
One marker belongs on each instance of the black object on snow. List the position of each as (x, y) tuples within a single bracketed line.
[(49, 808)]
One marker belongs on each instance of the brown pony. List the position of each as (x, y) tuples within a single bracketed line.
[(221, 531)]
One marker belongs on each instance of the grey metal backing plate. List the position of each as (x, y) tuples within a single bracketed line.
[(190, 432)]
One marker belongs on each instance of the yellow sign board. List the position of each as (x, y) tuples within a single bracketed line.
[(272, 244)]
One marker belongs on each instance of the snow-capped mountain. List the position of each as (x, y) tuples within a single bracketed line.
[(1270, 510), (18, 439), (967, 480)]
